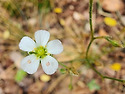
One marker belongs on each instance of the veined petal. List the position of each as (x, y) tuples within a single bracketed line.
[(54, 47), (49, 65), (30, 64), (27, 44), (42, 37)]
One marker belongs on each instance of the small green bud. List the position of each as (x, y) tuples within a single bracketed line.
[(113, 42)]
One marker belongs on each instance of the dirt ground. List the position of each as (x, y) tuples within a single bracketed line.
[(68, 21)]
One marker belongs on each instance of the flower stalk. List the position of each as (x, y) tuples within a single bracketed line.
[(90, 18), (90, 43)]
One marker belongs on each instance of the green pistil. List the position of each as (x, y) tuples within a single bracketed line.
[(40, 52)]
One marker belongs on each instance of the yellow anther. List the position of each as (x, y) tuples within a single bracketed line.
[(40, 52), (45, 45), (48, 53)]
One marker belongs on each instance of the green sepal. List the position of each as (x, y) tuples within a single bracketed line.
[(113, 42)]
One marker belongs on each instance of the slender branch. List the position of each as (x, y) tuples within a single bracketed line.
[(62, 65), (70, 85), (70, 61), (90, 43), (94, 68), (92, 39), (114, 79), (101, 37), (89, 47), (90, 17), (103, 76)]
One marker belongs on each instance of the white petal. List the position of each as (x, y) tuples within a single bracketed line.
[(54, 47), (27, 44), (42, 37), (30, 64), (49, 65)]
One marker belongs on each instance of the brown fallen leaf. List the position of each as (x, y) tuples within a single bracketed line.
[(112, 5), (16, 60), (35, 88), (102, 32), (11, 88)]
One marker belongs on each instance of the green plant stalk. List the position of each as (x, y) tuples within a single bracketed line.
[(90, 18), (62, 64), (90, 43), (70, 84)]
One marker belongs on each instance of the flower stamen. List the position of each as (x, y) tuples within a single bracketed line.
[(40, 52)]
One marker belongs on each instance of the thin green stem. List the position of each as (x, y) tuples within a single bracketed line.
[(62, 65), (114, 79), (101, 37), (90, 43), (70, 85), (94, 68), (92, 39), (89, 47), (103, 76), (90, 17)]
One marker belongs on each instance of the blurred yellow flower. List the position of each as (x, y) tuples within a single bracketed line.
[(6, 34), (44, 78), (110, 21), (58, 10), (62, 22), (116, 66)]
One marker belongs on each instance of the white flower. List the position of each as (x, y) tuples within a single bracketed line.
[(40, 51)]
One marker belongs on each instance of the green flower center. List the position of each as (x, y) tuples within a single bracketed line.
[(40, 52)]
